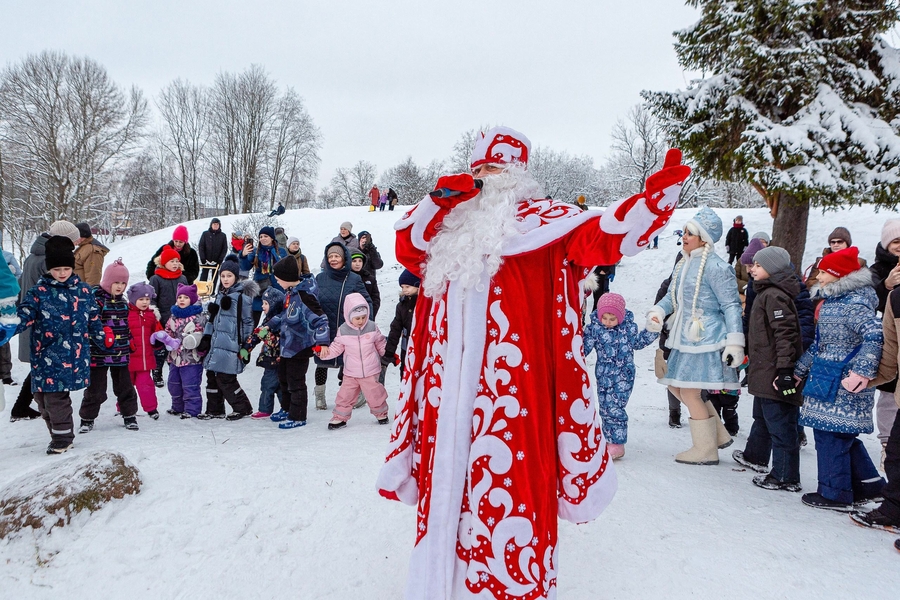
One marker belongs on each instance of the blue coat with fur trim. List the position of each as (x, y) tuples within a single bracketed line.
[(847, 320), (230, 327), (615, 348), (65, 319)]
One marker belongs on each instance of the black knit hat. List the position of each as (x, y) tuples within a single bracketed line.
[(84, 229), (60, 252), (407, 278), (287, 269), (231, 265)]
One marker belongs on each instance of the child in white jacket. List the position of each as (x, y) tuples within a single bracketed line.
[(362, 344)]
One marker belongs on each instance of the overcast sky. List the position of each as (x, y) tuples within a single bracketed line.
[(386, 80)]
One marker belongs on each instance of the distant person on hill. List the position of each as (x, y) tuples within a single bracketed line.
[(374, 195), (190, 262), (392, 199), (736, 240)]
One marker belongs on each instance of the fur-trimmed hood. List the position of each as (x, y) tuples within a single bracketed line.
[(859, 279), (248, 287)]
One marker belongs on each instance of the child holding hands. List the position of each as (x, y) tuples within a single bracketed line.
[(362, 345)]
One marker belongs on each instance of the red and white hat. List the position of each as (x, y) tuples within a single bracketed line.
[(500, 146), (841, 263)]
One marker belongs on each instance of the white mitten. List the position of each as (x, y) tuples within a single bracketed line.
[(192, 340), (655, 319), (188, 329), (733, 356)]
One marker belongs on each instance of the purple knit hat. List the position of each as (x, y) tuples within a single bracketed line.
[(611, 303), (188, 290), (140, 290), (755, 246)]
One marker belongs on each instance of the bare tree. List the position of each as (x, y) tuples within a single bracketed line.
[(293, 161), (68, 123), (185, 115), (410, 181), (350, 187)]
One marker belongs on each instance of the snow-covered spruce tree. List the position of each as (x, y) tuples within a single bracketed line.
[(799, 98)]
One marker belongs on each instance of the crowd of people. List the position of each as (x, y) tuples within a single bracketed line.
[(82, 325), (813, 348)]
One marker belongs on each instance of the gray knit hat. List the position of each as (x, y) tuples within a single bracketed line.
[(773, 259), (762, 235), (66, 229), (347, 225)]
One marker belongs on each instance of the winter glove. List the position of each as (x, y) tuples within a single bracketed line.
[(388, 360), (212, 309), (463, 182), (109, 338), (7, 330), (244, 355), (204, 344), (190, 342), (263, 332), (655, 320), (785, 383), (664, 186), (168, 341), (854, 383), (733, 356)]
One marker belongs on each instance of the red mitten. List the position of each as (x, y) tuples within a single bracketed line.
[(396, 360), (463, 183), (109, 337), (661, 199)]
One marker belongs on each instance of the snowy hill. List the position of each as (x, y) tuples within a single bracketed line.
[(245, 510)]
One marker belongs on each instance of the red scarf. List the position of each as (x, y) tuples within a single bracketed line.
[(167, 274)]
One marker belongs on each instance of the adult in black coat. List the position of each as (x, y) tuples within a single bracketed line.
[(213, 244), (335, 283), (190, 262)]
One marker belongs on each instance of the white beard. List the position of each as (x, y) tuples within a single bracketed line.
[(472, 236)]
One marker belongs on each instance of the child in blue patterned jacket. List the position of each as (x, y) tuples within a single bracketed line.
[(837, 397), (613, 333)]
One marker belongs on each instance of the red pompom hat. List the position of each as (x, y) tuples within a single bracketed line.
[(168, 253), (841, 263)]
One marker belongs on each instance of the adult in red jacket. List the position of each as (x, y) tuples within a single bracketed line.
[(517, 440), (374, 194)]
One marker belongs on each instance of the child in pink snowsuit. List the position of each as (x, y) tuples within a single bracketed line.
[(143, 321), (362, 345)]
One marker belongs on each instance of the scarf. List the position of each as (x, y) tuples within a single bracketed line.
[(167, 274)]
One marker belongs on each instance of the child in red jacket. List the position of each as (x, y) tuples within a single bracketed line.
[(143, 321)]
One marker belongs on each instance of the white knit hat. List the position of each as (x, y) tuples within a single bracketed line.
[(66, 229), (890, 232)]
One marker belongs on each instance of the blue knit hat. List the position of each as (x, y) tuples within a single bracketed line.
[(268, 230), (231, 265), (275, 298), (140, 290), (709, 225), (407, 278)]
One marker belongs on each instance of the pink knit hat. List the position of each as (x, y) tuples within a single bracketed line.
[(613, 304), (116, 272), (180, 234)]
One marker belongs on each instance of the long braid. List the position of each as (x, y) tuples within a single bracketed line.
[(696, 325), (673, 284)]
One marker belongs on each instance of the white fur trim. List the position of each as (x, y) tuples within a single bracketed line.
[(418, 218), (591, 283), (700, 385), (634, 225), (735, 339)]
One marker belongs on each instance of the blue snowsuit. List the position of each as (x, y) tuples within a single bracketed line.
[(615, 370)]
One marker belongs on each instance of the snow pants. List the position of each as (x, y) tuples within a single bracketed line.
[(891, 491), (774, 432), (611, 403), (294, 396), (95, 394), (5, 362), (269, 387), (146, 390), (885, 414), (226, 388), (184, 387), (56, 408), (376, 397), (846, 472)]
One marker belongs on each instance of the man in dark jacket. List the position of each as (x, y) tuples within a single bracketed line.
[(190, 262), (774, 347), (736, 240), (213, 244)]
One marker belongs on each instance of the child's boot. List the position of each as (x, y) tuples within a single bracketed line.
[(616, 451), (319, 390), (675, 418), (131, 423), (86, 426), (704, 450)]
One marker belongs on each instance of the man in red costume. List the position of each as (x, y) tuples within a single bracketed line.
[(496, 432)]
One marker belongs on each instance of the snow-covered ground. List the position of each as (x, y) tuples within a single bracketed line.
[(245, 510)]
